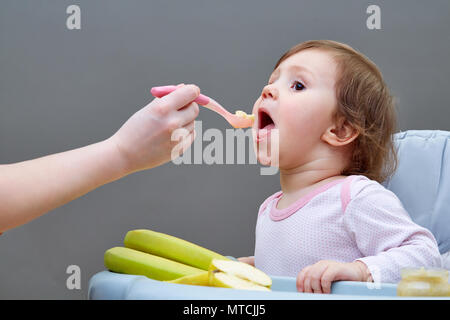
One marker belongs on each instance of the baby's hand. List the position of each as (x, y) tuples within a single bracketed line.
[(248, 260), (145, 140), (317, 278)]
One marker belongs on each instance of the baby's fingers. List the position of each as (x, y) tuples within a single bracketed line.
[(327, 279), (301, 280), (336, 272), (315, 276), (248, 260), (310, 278)]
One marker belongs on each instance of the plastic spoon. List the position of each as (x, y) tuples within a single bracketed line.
[(238, 120)]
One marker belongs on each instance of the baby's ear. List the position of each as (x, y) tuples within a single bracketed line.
[(340, 134)]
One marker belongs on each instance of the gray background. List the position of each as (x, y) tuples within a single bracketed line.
[(63, 89)]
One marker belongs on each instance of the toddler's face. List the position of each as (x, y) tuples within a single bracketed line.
[(299, 101)]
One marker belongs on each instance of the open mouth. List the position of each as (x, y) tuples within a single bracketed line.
[(265, 125), (265, 120)]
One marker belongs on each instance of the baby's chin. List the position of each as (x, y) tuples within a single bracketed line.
[(265, 161), (266, 152), (277, 154)]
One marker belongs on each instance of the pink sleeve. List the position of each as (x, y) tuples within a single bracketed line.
[(385, 234)]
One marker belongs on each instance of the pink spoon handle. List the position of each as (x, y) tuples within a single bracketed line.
[(160, 92), (207, 102), (201, 99)]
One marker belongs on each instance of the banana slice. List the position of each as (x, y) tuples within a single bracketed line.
[(237, 275)]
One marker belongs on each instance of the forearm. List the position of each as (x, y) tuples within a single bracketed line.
[(386, 266), (31, 188)]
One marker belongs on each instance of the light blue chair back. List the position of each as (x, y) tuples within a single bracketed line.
[(422, 180)]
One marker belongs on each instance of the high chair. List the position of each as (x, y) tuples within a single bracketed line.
[(421, 182)]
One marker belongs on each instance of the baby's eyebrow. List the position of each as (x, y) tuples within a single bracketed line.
[(298, 68), (294, 68)]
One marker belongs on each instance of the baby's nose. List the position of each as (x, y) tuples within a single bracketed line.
[(269, 92)]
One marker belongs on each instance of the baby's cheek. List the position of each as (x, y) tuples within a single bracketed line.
[(304, 122), (295, 126), (288, 144), (296, 137)]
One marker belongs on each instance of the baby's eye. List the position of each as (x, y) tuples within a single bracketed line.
[(298, 86)]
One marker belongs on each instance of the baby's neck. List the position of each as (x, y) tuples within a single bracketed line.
[(299, 181)]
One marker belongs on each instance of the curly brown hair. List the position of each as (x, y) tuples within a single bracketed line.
[(366, 103)]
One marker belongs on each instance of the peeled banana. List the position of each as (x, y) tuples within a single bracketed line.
[(238, 275)]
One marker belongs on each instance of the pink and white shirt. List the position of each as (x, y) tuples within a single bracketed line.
[(345, 220)]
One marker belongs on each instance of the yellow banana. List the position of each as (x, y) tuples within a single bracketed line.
[(171, 247), (198, 279), (129, 261)]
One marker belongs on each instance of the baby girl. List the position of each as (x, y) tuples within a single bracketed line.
[(332, 220)]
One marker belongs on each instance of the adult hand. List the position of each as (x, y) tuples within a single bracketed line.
[(146, 139)]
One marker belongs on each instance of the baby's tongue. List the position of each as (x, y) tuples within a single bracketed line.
[(265, 131)]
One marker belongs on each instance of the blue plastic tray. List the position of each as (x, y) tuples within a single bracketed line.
[(108, 285)]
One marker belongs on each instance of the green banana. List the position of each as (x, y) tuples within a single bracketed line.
[(171, 247), (129, 261)]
